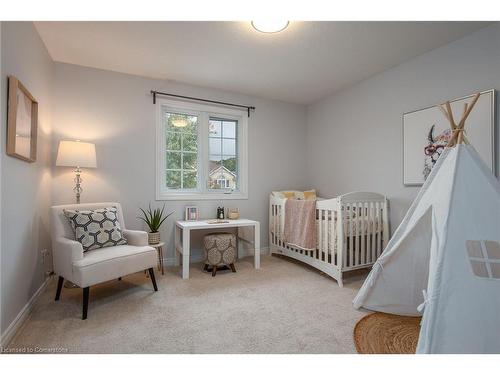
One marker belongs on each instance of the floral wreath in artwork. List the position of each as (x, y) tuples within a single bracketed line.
[(434, 148)]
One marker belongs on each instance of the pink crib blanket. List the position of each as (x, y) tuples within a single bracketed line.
[(300, 223)]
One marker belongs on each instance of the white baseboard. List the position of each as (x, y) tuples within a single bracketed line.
[(197, 258), (25, 312)]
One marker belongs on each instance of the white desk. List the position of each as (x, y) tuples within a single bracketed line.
[(183, 232)]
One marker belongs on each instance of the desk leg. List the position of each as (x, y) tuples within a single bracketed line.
[(177, 244), (257, 246), (185, 253)]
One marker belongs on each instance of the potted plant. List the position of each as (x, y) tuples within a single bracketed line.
[(154, 219)]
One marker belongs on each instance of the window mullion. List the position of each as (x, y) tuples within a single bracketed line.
[(182, 162), (203, 153)]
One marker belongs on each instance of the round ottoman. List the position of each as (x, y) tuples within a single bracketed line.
[(220, 251)]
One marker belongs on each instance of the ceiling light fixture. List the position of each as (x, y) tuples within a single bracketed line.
[(179, 122), (270, 26)]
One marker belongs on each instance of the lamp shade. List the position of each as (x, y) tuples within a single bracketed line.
[(76, 154)]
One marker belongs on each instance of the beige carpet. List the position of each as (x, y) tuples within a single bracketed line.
[(285, 307)]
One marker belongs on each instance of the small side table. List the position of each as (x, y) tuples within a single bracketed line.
[(159, 247)]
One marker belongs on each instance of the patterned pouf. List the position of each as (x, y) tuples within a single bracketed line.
[(220, 251)]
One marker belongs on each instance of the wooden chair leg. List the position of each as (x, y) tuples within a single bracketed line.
[(206, 267), (232, 267), (60, 283), (153, 280), (214, 271), (85, 302)]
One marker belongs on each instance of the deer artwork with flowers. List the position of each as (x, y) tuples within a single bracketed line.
[(447, 138)]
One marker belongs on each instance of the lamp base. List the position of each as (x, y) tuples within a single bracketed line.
[(78, 184)]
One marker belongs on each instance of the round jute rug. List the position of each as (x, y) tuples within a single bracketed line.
[(381, 333)]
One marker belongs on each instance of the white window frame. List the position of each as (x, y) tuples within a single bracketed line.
[(204, 112)]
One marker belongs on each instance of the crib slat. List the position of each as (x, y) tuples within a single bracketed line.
[(325, 233), (351, 237), (325, 243), (356, 235), (360, 233), (320, 235), (275, 219), (280, 218), (276, 224), (333, 238), (368, 233), (363, 232), (379, 229), (369, 239), (374, 236), (345, 238)]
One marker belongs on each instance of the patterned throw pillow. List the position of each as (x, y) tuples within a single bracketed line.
[(97, 228)]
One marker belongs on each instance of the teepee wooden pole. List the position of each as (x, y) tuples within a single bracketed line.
[(469, 109), (445, 113), (465, 110), (458, 131), (450, 114)]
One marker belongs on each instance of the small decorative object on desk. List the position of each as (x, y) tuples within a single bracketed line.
[(154, 219), (217, 221), (192, 213), (220, 213), (233, 214)]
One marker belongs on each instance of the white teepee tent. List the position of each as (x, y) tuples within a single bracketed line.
[(443, 261)]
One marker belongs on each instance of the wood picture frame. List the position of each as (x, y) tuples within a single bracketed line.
[(22, 122)]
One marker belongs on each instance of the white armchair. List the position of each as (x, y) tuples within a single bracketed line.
[(99, 265)]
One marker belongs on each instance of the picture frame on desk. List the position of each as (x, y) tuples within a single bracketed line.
[(192, 213)]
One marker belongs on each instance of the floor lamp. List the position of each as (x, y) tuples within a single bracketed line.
[(78, 155)]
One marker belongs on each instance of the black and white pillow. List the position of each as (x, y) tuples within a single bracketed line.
[(95, 229)]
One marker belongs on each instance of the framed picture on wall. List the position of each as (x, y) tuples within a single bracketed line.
[(22, 122), (426, 132)]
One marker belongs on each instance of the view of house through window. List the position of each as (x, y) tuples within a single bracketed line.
[(182, 151), (222, 149)]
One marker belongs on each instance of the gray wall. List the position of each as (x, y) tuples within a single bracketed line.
[(25, 187), (354, 138), (115, 111)]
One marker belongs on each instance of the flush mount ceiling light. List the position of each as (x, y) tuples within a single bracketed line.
[(179, 122), (270, 26)]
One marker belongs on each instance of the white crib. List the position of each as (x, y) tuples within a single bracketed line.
[(361, 219)]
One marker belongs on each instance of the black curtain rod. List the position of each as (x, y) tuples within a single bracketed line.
[(248, 108)]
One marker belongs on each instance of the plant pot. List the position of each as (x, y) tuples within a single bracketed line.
[(154, 238)]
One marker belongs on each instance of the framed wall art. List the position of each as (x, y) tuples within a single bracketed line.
[(22, 122), (426, 132)]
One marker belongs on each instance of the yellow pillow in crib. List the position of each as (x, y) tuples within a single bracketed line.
[(310, 195), (284, 194)]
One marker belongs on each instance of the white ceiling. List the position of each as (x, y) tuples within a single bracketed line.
[(304, 63)]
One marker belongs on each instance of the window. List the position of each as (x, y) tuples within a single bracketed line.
[(182, 151), (201, 152), (484, 257)]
